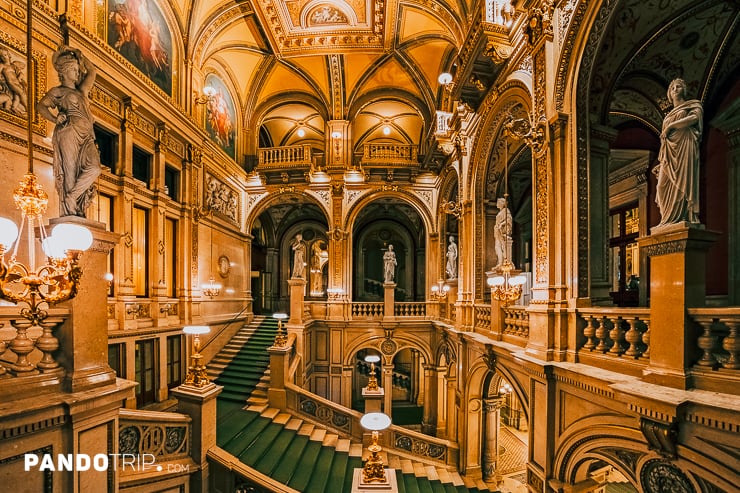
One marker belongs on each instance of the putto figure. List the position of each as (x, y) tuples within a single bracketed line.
[(677, 192), (76, 157)]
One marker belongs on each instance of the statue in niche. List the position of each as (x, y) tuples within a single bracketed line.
[(299, 257), (319, 257), (677, 192), (389, 264), (76, 156), (451, 268), (502, 232)]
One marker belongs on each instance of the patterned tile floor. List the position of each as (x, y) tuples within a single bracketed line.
[(512, 452)]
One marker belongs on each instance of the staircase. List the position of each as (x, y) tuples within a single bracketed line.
[(299, 454)]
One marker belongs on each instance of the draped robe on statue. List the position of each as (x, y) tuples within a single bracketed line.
[(677, 193)]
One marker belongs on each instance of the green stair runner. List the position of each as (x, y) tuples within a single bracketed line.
[(283, 454)]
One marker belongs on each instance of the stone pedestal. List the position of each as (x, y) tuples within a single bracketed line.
[(83, 337), (390, 486), (373, 399), (279, 363), (677, 282), (297, 290), (200, 405), (389, 293)]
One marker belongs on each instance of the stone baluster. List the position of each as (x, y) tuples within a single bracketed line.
[(589, 331), (47, 343), (646, 340), (707, 342), (633, 337), (602, 334), (731, 344), (617, 336), (3, 348), (22, 347)]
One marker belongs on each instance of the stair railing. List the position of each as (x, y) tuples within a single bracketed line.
[(215, 335)]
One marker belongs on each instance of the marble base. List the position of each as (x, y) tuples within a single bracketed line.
[(390, 486)]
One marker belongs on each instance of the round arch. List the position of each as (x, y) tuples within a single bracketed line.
[(267, 200)]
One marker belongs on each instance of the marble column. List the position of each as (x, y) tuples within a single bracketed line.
[(492, 415)]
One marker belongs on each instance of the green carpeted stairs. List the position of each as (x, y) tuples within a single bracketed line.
[(299, 454)]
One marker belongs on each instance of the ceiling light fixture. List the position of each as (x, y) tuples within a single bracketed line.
[(301, 133), (445, 78), (386, 130)]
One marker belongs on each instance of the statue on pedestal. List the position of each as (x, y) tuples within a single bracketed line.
[(502, 232), (319, 257), (299, 257), (76, 156), (677, 192), (389, 264)]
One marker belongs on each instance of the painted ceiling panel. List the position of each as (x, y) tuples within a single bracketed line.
[(283, 80), (415, 23), (315, 68), (391, 75), (429, 58)]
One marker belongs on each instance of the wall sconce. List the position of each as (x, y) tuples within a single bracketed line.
[(208, 95), (197, 376), (135, 310), (439, 291), (281, 337), (211, 288), (445, 79), (372, 382), (505, 388), (108, 276), (373, 470)]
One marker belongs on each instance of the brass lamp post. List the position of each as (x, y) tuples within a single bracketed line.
[(372, 382), (281, 338), (197, 376), (373, 470)]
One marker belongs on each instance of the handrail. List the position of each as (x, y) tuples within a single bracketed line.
[(226, 325)]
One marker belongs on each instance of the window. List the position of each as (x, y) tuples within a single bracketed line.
[(117, 359), (146, 372), (170, 256), (101, 210), (141, 165), (108, 147), (172, 182), (174, 361), (625, 258), (140, 245)]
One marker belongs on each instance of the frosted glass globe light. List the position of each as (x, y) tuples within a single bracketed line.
[(8, 233), (53, 247), (196, 329), (73, 236)]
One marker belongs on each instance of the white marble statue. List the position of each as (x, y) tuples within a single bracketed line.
[(389, 264), (451, 268), (299, 257), (502, 232), (677, 192)]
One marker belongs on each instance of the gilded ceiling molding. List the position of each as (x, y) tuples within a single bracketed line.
[(213, 26), (336, 76)]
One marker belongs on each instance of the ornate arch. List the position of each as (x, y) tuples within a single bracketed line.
[(265, 200), (367, 196)]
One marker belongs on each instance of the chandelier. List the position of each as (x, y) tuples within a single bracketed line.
[(210, 288), (58, 278), (505, 288)]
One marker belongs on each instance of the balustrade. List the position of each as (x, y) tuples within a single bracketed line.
[(166, 436), (367, 310), (32, 345), (516, 321), (616, 332), (718, 341), (285, 156), (410, 309), (483, 317), (389, 154)]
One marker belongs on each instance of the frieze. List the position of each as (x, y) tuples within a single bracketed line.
[(577, 382), (23, 143), (541, 220), (13, 105), (714, 423), (221, 198), (666, 248)]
